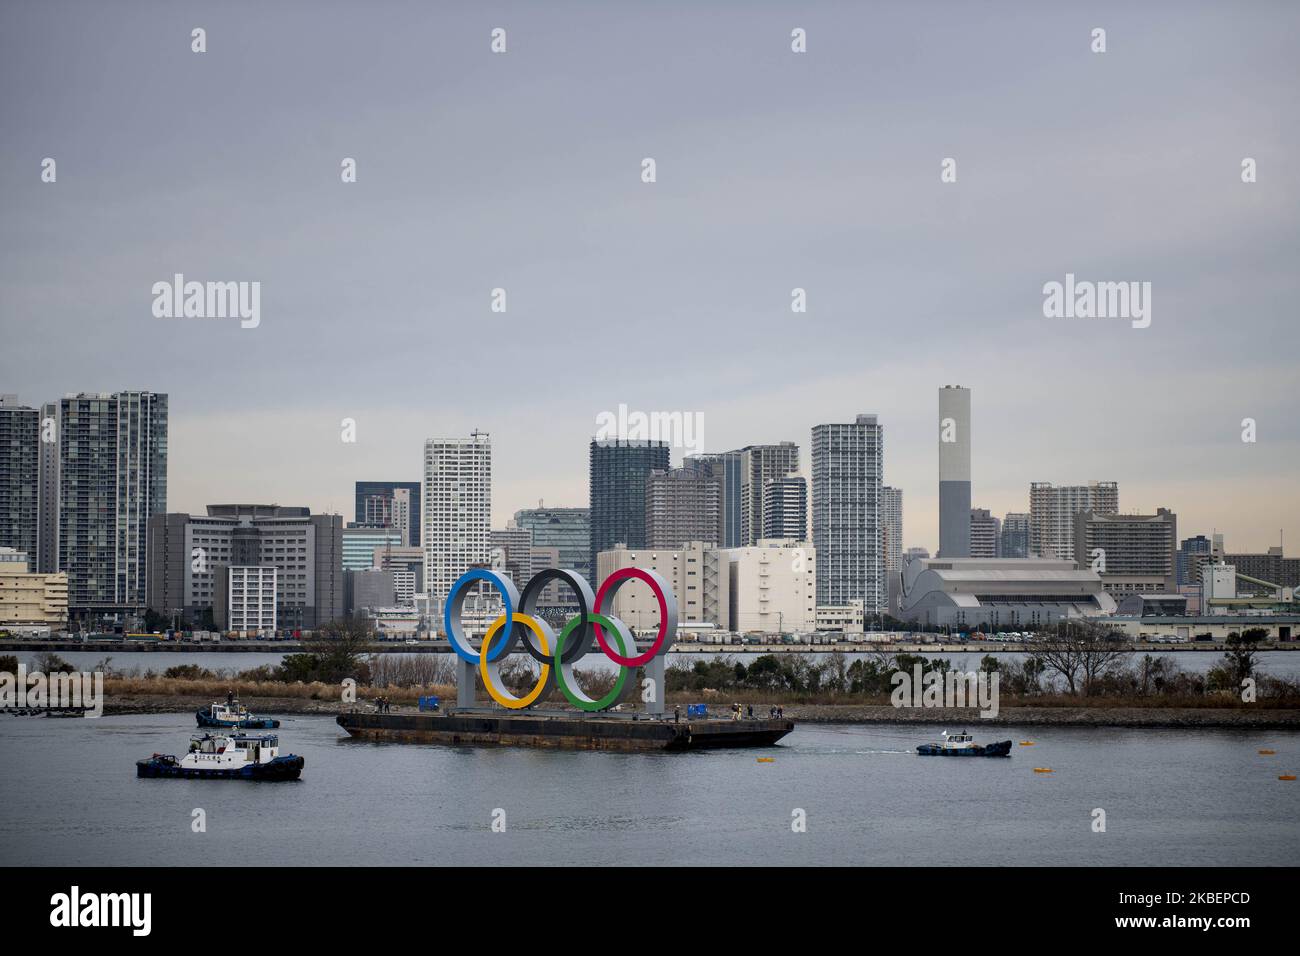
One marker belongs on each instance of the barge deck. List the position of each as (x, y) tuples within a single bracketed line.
[(563, 730)]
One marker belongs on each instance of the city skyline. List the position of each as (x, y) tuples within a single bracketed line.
[(922, 509)]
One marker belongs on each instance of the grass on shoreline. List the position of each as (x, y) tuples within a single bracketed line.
[(216, 690)]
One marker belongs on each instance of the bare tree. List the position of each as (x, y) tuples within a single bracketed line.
[(1079, 651), (837, 671), (334, 652)]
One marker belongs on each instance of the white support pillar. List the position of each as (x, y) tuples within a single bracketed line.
[(465, 682)]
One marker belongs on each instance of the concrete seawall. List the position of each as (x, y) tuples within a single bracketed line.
[(1209, 717)]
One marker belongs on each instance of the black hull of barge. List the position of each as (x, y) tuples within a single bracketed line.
[(575, 732)]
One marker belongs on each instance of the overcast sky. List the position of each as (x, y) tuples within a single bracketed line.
[(775, 170)]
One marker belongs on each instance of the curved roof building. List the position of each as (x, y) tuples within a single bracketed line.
[(998, 592)]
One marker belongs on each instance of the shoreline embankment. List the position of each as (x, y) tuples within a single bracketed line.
[(1243, 717)]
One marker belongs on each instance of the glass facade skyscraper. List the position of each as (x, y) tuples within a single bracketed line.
[(1188, 566), (568, 530), (619, 470), (360, 542), (375, 502)]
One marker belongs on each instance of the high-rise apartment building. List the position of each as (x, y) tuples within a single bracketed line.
[(1132, 553), (619, 471), (1052, 510), (847, 468), (20, 464), (1015, 535), (726, 467), (457, 502), (892, 525), (785, 509), (112, 480), (758, 464), (985, 534), (1270, 566), (954, 472), (47, 545), (402, 513), (681, 505)]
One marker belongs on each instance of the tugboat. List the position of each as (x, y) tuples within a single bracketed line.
[(963, 745), (226, 757), (233, 714)]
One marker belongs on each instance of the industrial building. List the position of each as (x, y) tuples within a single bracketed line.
[(1001, 593)]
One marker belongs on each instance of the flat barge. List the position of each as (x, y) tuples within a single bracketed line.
[(565, 731)]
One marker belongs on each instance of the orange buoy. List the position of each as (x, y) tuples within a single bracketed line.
[(1026, 743), (767, 760), (1287, 776), (1268, 753), (1043, 770)]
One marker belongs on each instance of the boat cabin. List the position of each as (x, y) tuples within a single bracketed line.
[(229, 712), (231, 750)]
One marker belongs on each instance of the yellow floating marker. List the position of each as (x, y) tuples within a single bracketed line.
[(1268, 753), (1026, 743), (1287, 776), (767, 760), (1044, 770)]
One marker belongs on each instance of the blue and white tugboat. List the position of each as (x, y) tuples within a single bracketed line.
[(233, 714), (963, 745), (226, 757)]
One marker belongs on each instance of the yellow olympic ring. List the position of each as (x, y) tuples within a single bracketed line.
[(490, 671)]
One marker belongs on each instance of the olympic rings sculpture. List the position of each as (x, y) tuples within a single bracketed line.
[(558, 653)]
